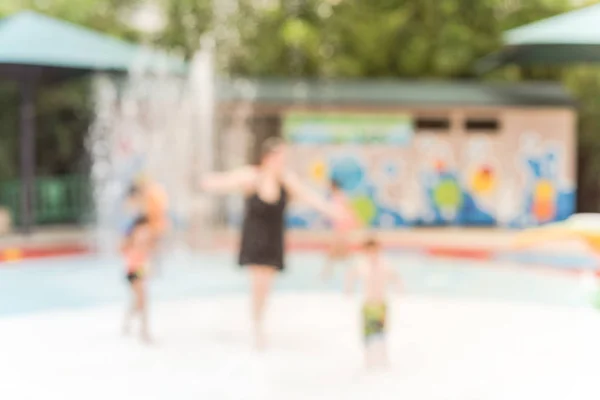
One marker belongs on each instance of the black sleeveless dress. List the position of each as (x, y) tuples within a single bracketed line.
[(263, 232)]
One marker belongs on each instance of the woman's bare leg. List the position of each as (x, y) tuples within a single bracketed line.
[(262, 279)]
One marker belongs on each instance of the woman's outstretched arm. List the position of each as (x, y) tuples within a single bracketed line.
[(302, 192), (238, 180)]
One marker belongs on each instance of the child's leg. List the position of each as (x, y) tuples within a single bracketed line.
[(141, 307), (157, 254), (376, 353), (370, 356), (368, 332), (132, 308), (328, 267), (337, 253), (375, 323), (129, 315), (383, 358), (381, 354)]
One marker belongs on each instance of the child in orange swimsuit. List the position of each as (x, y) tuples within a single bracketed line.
[(342, 230), (150, 199), (136, 248)]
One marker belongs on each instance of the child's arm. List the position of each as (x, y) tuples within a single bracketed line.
[(302, 192)]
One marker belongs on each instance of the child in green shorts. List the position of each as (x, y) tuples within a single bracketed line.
[(375, 275)]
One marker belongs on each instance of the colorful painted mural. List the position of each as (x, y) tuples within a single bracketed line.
[(480, 190), (370, 176), (549, 194), (362, 152), (407, 178)]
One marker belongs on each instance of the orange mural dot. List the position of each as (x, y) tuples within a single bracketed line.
[(544, 211), (318, 171), (594, 243), (483, 181), (544, 194), (440, 166)]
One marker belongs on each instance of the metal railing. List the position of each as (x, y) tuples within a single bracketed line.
[(57, 200)]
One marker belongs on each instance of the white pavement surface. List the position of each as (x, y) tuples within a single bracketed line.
[(442, 349)]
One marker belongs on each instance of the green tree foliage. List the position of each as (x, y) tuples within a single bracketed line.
[(188, 21), (103, 15), (584, 82), (378, 38)]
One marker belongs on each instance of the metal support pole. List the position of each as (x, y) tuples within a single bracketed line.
[(27, 153)]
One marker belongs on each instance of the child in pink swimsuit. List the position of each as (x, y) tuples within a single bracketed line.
[(342, 230)]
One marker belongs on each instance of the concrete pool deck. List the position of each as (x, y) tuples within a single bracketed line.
[(460, 330), (441, 349)]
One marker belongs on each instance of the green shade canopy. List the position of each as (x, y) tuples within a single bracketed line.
[(29, 39), (35, 49), (573, 37)]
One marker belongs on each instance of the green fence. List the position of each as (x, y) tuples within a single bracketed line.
[(57, 200)]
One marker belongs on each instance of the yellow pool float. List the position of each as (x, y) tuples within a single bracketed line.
[(584, 227)]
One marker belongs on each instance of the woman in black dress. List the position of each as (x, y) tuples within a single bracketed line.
[(268, 189)]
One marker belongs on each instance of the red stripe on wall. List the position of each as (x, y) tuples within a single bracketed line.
[(17, 254), (473, 254)]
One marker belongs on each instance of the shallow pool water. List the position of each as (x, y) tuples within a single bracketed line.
[(52, 284)]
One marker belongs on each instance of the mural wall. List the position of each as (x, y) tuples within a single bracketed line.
[(395, 176), (364, 153)]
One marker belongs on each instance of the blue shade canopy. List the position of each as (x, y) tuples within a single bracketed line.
[(573, 37), (29, 39)]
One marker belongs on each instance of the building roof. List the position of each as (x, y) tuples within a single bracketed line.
[(394, 92)]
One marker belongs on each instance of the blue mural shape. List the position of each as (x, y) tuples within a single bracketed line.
[(347, 172)]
